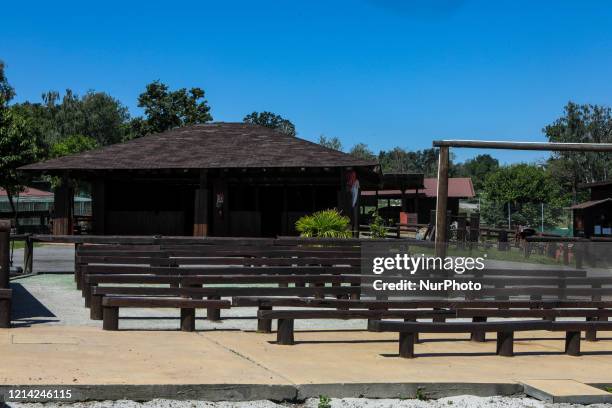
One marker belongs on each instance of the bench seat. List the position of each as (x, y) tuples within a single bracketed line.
[(504, 329), (112, 304)]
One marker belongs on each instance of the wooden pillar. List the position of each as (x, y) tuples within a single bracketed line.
[(416, 204), (200, 211), (28, 255), (5, 230), (63, 203), (98, 206), (442, 202)]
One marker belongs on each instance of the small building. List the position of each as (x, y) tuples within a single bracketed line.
[(35, 208), (217, 179), (593, 218), (417, 203)]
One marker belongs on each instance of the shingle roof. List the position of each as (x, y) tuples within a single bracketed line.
[(589, 204), (458, 187), (213, 145)]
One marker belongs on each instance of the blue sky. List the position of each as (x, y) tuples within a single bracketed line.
[(383, 72)]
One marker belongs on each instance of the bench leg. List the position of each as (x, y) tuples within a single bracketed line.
[(78, 277), (505, 344), (264, 325), (87, 294), (406, 344), (284, 334), (188, 317), (95, 307), (5, 313), (110, 319), (416, 335), (478, 336), (572, 343), (212, 313), (590, 334), (438, 319)]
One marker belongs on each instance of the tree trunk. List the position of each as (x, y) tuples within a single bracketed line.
[(9, 195)]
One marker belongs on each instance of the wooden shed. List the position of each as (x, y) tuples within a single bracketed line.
[(593, 218), (218, 179)]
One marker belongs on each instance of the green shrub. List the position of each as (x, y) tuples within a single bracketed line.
[(324, 224), (377, 227), (324, 402)]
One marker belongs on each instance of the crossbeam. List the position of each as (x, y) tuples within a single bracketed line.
[(553, 147)]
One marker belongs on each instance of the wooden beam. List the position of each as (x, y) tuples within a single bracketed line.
[(556, 147), (5, 231), (200, 213), (63, 204), (98, 206), (442, 202)]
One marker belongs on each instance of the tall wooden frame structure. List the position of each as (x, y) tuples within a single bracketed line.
[(443, 166)]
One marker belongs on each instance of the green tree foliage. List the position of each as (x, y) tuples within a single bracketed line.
[(18, 146), (95, 115), (399, 160), (581, 124), (361, 151), (72, 145), (165, 109), (330, 142), (525, 187), (477, 169), (324, 224), (272, 121)]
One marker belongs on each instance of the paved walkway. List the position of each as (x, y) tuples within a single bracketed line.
[(88, 355)]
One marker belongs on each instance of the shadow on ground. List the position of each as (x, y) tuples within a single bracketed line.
[(29, 310)]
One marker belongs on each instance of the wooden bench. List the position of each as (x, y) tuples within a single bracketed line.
[(190, 287), (5, 308), (112, 304), (504, 329)]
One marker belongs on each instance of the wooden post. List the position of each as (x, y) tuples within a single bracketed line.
[(284, 333), (442, 202), (5, 230), (188, 317), (110, 319), (212, 313), (200, 212), (572, 343), (505, 343), (98, 206), (264, 325), (63, 203), (28, 255), (406, 344)]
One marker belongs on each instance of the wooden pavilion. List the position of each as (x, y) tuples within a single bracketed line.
[(218, 179)]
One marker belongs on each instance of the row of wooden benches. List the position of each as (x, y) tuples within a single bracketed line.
[(185, 269)]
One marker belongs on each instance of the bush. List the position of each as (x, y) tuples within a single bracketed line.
[(324, 224), (377, 227)]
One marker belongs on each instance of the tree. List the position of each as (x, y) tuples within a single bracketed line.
[(18, 146), (399, 160), (581, 124), (96, 115), (330, 143), (165, 109), (272, 121), (477, 169), (524, 187), (72, 145), (361, 151)]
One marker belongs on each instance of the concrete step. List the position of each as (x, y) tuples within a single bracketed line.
[(565, 391)]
